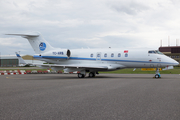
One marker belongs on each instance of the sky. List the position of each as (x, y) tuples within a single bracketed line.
[(74, 24)]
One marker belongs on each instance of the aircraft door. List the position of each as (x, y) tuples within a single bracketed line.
[(98, 56)]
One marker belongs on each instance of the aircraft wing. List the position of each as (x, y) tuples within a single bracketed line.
[(82, 67), (72, 66)]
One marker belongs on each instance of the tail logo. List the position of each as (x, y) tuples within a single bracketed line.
[(42, 46)]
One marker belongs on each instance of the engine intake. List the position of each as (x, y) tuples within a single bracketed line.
[(68, 53)]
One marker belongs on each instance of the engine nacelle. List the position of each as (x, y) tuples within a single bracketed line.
[(55, 54), (68, 53)]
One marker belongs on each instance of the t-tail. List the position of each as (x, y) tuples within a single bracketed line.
[(38, 43)]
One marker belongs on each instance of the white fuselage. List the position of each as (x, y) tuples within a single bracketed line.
[(112, 58)]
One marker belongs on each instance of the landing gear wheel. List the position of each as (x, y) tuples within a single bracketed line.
[(81, 75), (156, 76), (91, 74)]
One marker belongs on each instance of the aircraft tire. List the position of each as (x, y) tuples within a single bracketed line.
[(91, 74), (81, 75), (156, 76)]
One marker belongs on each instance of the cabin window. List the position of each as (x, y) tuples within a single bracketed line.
[(98, 55), (112, 55), (91, 55), (105, 55), (119, 54), (126, 55)]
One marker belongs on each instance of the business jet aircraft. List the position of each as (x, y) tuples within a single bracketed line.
[(94, 60)]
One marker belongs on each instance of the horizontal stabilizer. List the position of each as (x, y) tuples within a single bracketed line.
[(33, 34)]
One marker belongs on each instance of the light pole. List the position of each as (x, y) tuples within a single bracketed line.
[(0, 59)]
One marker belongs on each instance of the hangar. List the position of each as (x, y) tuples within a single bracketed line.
[(9, 61), (13, 61)]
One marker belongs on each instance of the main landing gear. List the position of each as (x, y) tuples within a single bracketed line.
[(157, 75), (91, 74), (81, 75)]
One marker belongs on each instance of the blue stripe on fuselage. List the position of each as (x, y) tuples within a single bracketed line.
[(78, 58)]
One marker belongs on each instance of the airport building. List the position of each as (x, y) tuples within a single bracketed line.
[(9, 61), (13, 61), (171, 51)]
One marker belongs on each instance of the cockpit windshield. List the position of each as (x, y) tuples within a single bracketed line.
[(154, 52), (158, 52)]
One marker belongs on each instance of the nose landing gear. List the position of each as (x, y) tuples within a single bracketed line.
[(157, 75)]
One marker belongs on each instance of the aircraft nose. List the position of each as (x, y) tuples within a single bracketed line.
[(176, 63)]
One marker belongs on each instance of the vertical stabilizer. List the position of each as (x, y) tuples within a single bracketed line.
[(21, 61), (38, 43)]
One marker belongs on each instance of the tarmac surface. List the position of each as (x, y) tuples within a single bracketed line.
[(105, 97)]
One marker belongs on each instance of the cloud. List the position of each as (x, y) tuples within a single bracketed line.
[(96, 23), (11, 45), (129, 7)]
